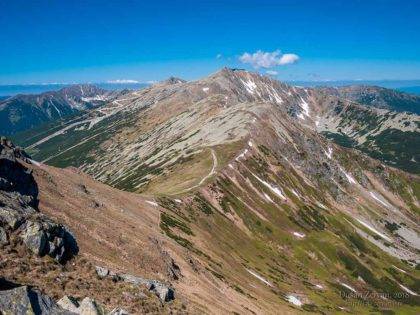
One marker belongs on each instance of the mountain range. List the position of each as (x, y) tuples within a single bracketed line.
[(22, 112), (235, 193), (378, 97)]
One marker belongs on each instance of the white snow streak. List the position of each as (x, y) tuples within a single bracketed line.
[(35, 162), (399, 269), (329, 153), (256, 275), (274, 189), (152, 203), (349, 177), (407, 290), (294, 300), (250, 86), (300, 235), (240, 156), (268, 197), (348, 287), (374, 230), (374, 196)]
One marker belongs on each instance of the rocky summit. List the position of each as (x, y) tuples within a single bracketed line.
[(235, 193)]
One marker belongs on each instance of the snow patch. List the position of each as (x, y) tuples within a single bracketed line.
[(256, 275), (250, 86), (399, 269), (268, 197), (300, 235), (407, 290), (274, 189), (35, 162), (250, 143), (240, 156), (349, 177), (294, 192), (178, 200), (374, 230), (205, 89), (374, 196), (305, 107), (294, 300), (152, 203), (318, 286), (348, 287), (329, 153)]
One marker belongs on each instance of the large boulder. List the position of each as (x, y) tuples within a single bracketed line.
[(87, 306), (23, 300), (44, 237), (35, 238), (164, 292)]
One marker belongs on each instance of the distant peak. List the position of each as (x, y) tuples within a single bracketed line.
[(173, 80)]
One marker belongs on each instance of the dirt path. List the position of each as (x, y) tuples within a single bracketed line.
[(211, 173)]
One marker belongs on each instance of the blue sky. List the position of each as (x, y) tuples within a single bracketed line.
[(92, 41)]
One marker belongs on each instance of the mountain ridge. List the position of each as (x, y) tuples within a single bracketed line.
[(26, 111)]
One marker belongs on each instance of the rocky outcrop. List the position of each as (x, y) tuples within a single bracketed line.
[(19, 214), (44, 237), (165, 292), (87, 306), (24, 300)]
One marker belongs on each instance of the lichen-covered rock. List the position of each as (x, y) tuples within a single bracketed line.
[(35, 238), (69, 304), (3, 236), (163, 291), (101, 271), (23, 300), (89, 307)]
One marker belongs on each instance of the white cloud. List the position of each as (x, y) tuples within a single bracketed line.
[(219, 56), (121, 81), (288, 59), (272, 72), (261, 59)]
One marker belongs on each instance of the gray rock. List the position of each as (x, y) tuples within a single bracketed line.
[(118, 311), (35, 238), (164, 292), (135, 280), (69, 304), (23, 300), (88, 307), (101, 271), (3, 236), (11, 217)]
